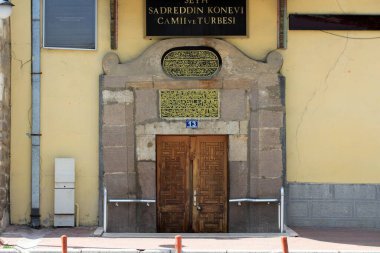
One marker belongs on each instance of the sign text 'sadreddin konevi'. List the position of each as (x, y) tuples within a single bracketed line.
[(220, 18)]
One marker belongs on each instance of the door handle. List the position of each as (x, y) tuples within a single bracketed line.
[(199, 208)]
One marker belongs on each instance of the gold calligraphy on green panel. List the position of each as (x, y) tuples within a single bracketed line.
[(179, 104), (191, 63)]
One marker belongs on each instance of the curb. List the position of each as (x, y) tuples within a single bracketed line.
[(90, 250)]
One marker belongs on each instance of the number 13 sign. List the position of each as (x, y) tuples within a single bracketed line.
[(191, 123)]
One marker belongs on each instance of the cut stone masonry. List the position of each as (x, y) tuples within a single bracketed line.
[(251, 114), (5, 121), (334, 205)]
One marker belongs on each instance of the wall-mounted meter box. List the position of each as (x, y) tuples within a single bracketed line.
[(64, 192)]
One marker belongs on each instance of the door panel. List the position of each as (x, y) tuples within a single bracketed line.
[(173, 183), (192, 184), (210, 185)]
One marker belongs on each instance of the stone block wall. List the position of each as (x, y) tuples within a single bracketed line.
[(117, 149), (251, 115), (4, 121), (334, 205)]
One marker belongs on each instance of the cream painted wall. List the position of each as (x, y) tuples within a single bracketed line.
[(20, 182), (332, 100), (69, 111)]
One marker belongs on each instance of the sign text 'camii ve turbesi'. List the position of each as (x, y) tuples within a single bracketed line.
[(196, 17)]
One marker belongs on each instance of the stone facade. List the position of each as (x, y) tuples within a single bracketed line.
[(251, 114), (334, 205), (5, 121)]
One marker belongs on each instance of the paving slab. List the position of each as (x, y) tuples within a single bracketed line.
[(82, 240)]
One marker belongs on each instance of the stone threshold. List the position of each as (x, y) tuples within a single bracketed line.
[(289, 233)]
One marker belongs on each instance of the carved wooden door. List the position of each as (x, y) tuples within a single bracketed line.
[(210, 184), (173, 183), (192, 184)]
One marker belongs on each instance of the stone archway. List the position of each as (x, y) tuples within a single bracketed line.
[(251, 115)]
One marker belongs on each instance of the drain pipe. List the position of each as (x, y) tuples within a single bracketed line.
[(35, 135)]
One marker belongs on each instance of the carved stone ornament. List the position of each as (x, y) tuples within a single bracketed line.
[(191, 62), (182, 104)]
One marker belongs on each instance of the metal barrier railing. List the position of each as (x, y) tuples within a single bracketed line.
[(281, 204), (116, 201)]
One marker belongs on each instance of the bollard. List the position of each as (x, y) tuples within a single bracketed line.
[(284, 242), (178, 244), (64, 243)]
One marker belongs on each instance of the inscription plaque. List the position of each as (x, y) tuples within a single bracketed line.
[(193, 104), (70, 24), (165, 18), (191, 62)]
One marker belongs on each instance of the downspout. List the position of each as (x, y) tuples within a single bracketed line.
[(35, 135)]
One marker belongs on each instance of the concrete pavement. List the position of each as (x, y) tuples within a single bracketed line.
[(82, 240)]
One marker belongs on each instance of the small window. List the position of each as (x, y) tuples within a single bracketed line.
[(70, 24)]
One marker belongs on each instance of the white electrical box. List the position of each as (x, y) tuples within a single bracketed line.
[(64, 170), (64, 192), (66, 205)]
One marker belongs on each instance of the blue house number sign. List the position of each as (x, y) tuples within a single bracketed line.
[(191, 123)]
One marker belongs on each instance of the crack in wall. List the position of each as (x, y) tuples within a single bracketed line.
[(22, 63), (340, 6), (334, 66), (319, 90)]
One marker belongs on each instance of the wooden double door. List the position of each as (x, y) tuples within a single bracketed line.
[(192, 184)]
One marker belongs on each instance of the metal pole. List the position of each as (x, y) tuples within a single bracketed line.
[(147, 201), (279, 216), (36, 104), (178, 244), (105, 210), (284, 243), (253, 200), (64, 243), (282, 210)]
